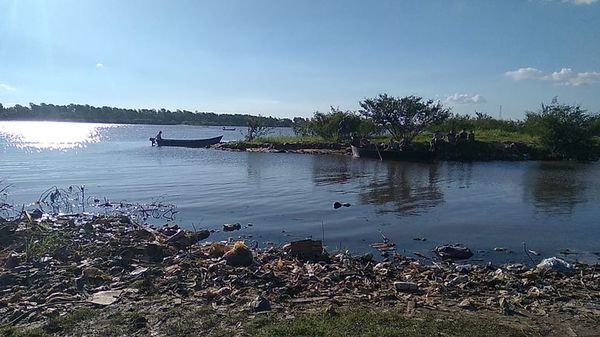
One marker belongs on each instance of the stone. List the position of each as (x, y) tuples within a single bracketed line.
[(239, 255), (261, 304), (453, 252), (228, 227), (405, 286), (105, 297)]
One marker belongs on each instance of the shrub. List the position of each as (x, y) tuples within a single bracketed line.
[(565, 131)]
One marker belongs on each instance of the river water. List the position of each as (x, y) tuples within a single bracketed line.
[(549, 206)]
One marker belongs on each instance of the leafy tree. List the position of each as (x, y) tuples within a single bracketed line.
[(566, 131), (257, 127), (404, 118)]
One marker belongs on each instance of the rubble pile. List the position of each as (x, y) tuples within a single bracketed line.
[(50, 265)]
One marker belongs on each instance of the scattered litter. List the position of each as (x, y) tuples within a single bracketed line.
[(555, 264)]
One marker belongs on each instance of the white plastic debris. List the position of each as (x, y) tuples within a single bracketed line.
[(556, 264)]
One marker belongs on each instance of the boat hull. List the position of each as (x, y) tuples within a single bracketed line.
[(373, 152), (194, 143)]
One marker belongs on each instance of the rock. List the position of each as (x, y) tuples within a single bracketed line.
[(105, 297), (459, 280), (228, 227), (405, 286), (14, 259), (306, 249), (239, 255), (36, 214), (453, 252), (184, 239), (261, 304), (467, 304), (556, 264), (338, 204)]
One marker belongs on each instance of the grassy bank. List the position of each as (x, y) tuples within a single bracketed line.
[(481, 135), (203, 320)]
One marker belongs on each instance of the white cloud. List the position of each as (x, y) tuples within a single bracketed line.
[(99, 65), (6, 87), (565, 76), (524, 73), (464, 99), (581, 2)]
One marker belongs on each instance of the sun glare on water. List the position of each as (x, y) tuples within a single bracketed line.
[(50, 135)]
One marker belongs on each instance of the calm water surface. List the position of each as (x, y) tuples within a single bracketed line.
[(550, 206)]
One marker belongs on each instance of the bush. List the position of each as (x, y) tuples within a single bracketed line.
[(565, 131), (481, 121), (328, 125)]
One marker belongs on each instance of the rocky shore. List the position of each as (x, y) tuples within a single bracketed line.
[(53, 266)]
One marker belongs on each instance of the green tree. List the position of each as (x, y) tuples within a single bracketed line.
[(404, 118), (566, 131), (257, 127)]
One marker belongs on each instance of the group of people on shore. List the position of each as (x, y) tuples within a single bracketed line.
[(451, 138)]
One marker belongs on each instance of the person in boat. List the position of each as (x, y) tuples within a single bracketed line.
[(157, 138), (471, 136)]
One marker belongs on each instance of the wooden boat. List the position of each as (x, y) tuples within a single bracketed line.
[(228, 129), (196, 143), (372, 151)]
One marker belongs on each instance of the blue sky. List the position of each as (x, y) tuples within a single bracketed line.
[(290, 58)]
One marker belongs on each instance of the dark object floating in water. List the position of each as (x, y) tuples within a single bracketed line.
[(228, 129), (372, 151), (195, 143), (338, 204), (453, 252)]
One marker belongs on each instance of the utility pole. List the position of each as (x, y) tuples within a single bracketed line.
[(500, 113)]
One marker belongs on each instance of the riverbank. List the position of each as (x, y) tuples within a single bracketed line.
[(103, 275), (476, 151)]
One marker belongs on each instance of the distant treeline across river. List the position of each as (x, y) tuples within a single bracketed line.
[(105, 114)]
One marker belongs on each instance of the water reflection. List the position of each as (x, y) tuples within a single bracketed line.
[(555, 188), (404, 188), (334, 170), (50, 135)]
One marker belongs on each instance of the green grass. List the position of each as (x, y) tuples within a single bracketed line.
[(289, 139), (425, 137), (61, 325), (204, 320), (65, 324), (505, 136), (367, 322)]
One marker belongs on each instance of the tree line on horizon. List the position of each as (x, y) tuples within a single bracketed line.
[(105, 114)]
